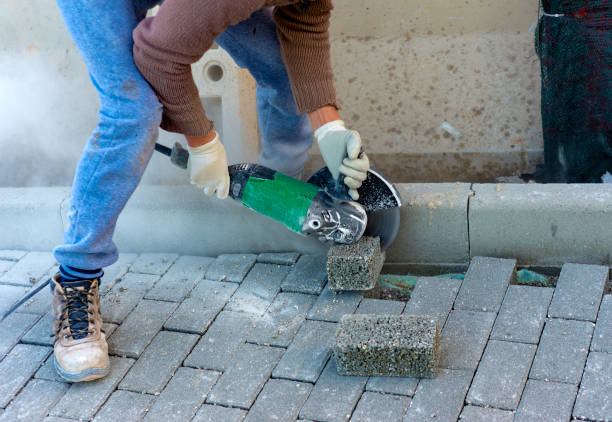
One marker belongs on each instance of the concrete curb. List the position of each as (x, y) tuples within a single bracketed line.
[(441, 223)]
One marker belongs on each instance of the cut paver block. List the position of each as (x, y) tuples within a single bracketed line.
[(306, 356), (280, 400), (242, 382), (308, 275), (138, 329), (380, 407), (388, 345), (41, 332), (29, 270), (18, 367), (546, 401), (180, 278), (332, 306), (356, 266), (562, 351), (602, 337), (231, 267), (463, 338), (222, 340), (125, 295), (34, 401), (485, 284), (522, 315), (285, 258), (83, 399), (131, 406), (393, 385), (258, 289), (333, 397), (182, 396), (578, 292), (212, 413), (9, 295), (485, 414), (501, 375), (380, 307), (594, 401), (13, 328), (433, 296), (427, 403), (282, 320), (159, 361), (153, 263), (196, 313), (39, 304)]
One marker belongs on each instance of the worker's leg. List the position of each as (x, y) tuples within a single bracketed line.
[(286, 135)]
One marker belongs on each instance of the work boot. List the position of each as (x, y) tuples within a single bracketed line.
[(80, 350)]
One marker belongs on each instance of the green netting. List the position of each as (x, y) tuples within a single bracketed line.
[(574, 42)]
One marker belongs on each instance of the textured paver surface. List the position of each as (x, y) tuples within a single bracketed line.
[(249, 337)]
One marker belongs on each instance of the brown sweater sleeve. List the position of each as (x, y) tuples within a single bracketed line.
[(305, 47)]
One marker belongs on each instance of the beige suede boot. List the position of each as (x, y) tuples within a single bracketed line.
[(80, 351)]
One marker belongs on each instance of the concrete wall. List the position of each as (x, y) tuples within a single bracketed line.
[(404, 67)]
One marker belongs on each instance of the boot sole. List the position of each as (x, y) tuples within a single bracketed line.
[(89, 374)]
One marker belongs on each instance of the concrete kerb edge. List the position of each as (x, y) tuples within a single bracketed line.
[(441, 222)]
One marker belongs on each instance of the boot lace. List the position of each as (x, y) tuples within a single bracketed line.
[(76, 313)]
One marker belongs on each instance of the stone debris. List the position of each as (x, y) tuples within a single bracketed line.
[(388, 345)]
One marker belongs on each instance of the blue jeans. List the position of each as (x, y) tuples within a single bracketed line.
[(118, 151)]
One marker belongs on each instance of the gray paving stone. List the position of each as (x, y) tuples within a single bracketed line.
[(380, 307), (34, 401), (485, 414), (393, 385), (180, 278), (211, 413), (131, 406), (196, 313), (578, 292), (17, 368), (56, 419), (153, 263), (333, 397), (546, 401), (116, 271), (125, 295), (306, 356), (501, 375), (282, 320), (562, 351), (138, 329), (39, 304), (84, 399), (594, 401), (9, 295), (380, 407), (5, 266), (433, 296), (309, 275), (258, 289), (427, 404), (522, 315), (222, 340), (332, 306), (47, 372), (182, 396), (485, 284), (242, 382), (231, 267), (29, 269), (156, 365), (12, 254), (285, 258), (41, 333), (280, 400), (13, 328), (463, 338), (602, 337)]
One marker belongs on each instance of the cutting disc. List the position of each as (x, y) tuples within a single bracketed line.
[(379, 197)]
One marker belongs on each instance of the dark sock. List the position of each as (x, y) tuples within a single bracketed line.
[(70, 274)]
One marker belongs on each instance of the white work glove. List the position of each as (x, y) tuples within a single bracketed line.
[(341, 151), (208, 168)]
